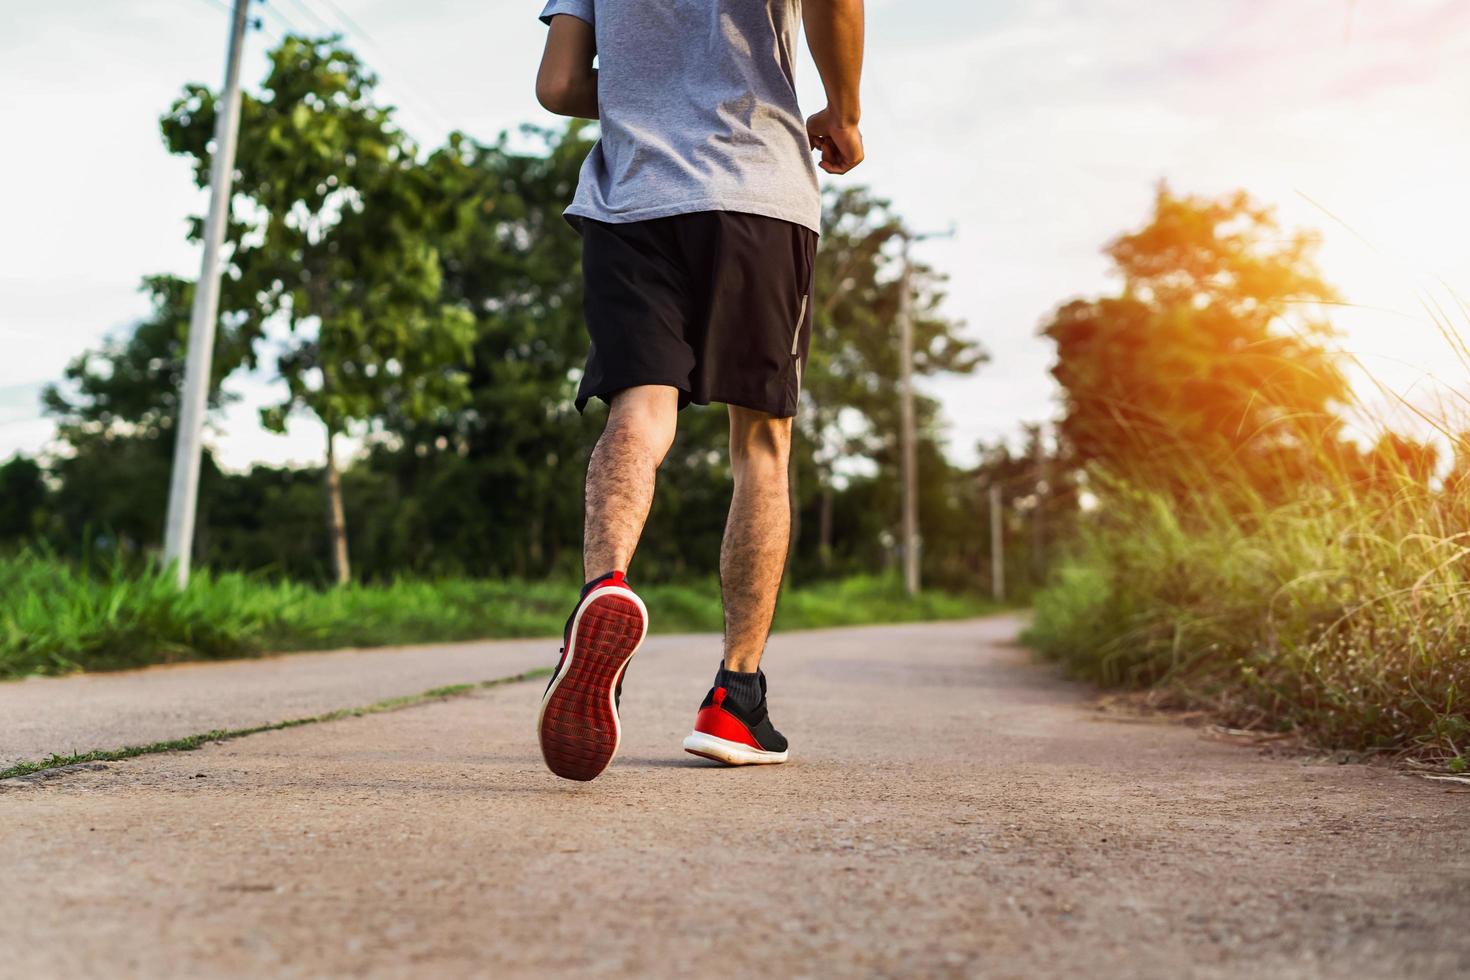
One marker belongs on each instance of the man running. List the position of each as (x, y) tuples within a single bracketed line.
[(699, 214)]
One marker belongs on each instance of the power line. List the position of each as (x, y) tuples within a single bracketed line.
[(351, 24), (351, 27), (346, 26), (254, 23), (287, 25), (312, 15)]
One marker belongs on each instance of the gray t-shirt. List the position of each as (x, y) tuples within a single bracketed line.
[(699, 113)]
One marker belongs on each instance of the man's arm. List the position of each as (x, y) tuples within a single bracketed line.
[(834, 32), (566, 83)]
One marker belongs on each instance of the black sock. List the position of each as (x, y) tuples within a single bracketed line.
[(747, 689)]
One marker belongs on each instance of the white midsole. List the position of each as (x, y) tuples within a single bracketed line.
[(728, 752), (566, 667)]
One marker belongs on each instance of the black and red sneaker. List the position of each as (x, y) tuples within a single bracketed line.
[(578, 723), (729, 732)]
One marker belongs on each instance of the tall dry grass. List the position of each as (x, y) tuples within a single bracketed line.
[(1338, 610)]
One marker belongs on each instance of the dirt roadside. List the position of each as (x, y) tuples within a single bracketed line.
[(951, 810)]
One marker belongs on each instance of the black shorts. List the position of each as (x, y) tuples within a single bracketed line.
[(714, 303)]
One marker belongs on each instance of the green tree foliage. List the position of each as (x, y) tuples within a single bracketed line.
[(855, 357), (850, 388), (333, 242), (1210, 358), (1039, 494), (269, 519), (115, 410), (22, 498), (438, 298), (130, 386), (500, 479)]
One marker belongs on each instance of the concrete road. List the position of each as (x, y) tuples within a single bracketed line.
[(72, 715), (951, 810)]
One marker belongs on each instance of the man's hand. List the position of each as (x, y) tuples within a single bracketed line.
[(841, 143), (834, 33)]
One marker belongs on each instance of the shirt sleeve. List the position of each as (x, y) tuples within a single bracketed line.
[(580, 9)]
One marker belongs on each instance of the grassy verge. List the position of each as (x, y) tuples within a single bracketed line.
[(190, 742), (57, 617), (1342, 615)]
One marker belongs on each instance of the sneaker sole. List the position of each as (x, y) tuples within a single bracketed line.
[(578, 723), (728, 752)]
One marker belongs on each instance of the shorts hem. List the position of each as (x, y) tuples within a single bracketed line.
[(606, 392), (750, 403), (686, 398), (576, 212)]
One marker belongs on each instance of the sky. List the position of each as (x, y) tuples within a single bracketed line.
[(1037, 128)]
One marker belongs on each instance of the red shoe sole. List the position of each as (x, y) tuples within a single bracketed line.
[(579, 725)]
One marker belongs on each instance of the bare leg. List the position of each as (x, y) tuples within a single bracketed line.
[(620, 475), (753, 553)]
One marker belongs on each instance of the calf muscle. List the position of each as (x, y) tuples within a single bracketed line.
[(621, 475), (753, 552)]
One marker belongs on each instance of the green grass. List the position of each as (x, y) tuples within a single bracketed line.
[(191, 742), (1342, 615), (1327, 598), (58, 617)]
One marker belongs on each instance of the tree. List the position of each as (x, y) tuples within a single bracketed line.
[(1396, 459), (850, 396), (115, 409), (436, 303), (1210, 359), (512, 260), (333, 245), (130, 385), (22, 498), (1039, 490)]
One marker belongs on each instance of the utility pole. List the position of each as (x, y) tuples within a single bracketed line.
[(908, 439), (908, 457), (183, 490), (1041, 477), (997, 546)]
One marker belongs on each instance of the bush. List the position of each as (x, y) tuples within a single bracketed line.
[(1343, 616)]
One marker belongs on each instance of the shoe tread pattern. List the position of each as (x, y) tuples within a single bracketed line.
[(579, 725)]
